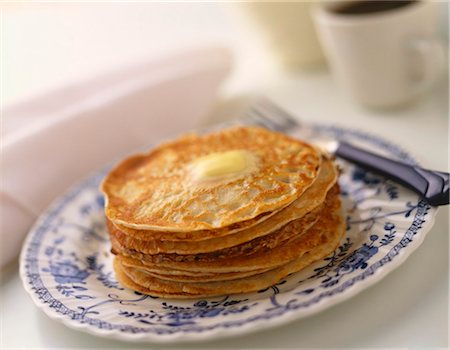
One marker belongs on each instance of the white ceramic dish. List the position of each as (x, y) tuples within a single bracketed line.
[(66, 264)]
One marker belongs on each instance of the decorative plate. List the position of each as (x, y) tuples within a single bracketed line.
[(66, 264)]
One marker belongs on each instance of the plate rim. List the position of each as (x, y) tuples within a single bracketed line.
[(247, 327)]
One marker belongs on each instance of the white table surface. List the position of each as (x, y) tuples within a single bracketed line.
[(409, 308)]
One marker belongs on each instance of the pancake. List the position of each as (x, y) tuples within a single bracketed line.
[(179, 274), (168, 188), (184, 276), (207, 240), (229, 246), (229, 212), (143, 282), (266, 257)]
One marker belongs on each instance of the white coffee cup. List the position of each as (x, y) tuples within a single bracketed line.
[(288, 29), (385, 58)]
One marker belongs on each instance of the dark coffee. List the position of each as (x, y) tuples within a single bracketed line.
[(365, 7)]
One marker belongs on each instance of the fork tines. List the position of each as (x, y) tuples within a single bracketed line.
[(265, 113)]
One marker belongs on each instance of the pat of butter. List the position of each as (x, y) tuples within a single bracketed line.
[(221, 164)]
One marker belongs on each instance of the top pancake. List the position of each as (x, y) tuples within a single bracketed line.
[(244, 230), (157, 190)]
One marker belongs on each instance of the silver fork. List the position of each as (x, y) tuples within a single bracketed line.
[(433, 186)]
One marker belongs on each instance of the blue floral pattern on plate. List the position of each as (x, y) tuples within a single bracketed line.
[(66, 263)]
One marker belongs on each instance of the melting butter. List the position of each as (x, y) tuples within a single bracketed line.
[(223, 165)]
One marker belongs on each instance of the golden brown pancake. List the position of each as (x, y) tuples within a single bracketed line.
[(265, 257), (306, 254), (229, 212), (228, 246), (161, 190), (183, 276), (202, 241)]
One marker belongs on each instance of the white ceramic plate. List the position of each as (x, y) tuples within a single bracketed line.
[(66, 264)]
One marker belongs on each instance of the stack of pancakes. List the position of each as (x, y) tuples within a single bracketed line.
[(233, 211)]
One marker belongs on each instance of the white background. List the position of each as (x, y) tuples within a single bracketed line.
[(46, 45)]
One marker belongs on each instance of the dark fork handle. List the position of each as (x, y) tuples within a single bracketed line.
[(432, 185)]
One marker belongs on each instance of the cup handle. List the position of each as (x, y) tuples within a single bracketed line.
[(431, 53)]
